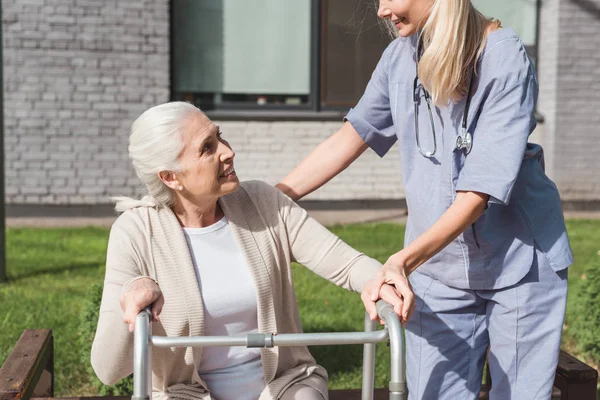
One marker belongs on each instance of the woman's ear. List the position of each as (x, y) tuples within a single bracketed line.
[(169, 179)]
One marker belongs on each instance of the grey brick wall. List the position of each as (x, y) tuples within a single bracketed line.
[(268, 151), (76, 74), (570, 95)]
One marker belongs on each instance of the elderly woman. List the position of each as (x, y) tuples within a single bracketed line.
[(213, 257)]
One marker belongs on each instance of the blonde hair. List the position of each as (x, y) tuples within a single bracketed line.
[(155, 143), (454, 37)]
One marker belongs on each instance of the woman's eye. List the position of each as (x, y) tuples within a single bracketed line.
[(209, 146)]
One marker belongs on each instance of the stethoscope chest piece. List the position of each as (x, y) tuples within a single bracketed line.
[(464, 141)]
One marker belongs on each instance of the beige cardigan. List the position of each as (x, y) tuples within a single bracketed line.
[(272, 231)]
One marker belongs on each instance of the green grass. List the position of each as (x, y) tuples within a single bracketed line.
[(585, 241), (51, 271), (327, 308)]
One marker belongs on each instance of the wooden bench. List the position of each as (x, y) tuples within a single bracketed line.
[(28, 373)]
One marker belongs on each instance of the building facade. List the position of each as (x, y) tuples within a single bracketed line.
[(78, 72)]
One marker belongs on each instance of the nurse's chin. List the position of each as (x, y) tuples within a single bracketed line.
[(406, 31)]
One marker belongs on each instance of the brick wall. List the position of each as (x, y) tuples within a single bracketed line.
[(268, 151), (547, 78), (76, 73), (570, 94)]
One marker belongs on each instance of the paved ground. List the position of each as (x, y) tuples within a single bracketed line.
[(328, 218)]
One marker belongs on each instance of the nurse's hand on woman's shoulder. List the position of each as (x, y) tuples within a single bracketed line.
[(138, 295)]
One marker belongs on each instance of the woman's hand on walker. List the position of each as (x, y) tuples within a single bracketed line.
[(139, 295)]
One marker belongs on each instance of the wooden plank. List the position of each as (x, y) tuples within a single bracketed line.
[(31, 356), (575, 391), (575, 379), (384, 394), (484, 394), (556, 394), (344, 394), (349, 394), (354, 394), (84, 398), (574, 370)]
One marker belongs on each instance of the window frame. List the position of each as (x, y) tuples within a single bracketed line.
[(250, 110), (313, 110)]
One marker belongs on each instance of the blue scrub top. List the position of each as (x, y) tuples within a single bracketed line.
[(524, 210)]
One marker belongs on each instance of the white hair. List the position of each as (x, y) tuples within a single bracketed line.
[(155, 143)]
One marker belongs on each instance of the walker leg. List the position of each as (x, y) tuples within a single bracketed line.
[(141, 355), (398, 389), (368, 378)]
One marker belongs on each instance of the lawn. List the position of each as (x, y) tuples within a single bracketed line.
[(51, 271)]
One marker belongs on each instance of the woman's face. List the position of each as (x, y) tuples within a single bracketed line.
[(207, 163), (408, 16)]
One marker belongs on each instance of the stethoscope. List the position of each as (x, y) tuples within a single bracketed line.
[(465, 139)]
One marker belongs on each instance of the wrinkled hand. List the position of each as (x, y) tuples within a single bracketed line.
[(139, 295), (391, 285)]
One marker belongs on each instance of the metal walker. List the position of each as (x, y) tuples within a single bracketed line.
[(143, 339)]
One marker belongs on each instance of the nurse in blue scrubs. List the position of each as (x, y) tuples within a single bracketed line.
[(486, 250)]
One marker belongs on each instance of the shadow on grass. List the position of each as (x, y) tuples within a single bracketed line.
[(53, 271)]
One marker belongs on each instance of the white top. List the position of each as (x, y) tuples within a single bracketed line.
[(230, 308)]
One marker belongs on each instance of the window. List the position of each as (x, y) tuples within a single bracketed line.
[(520, 15), (272, 54), (352, 41), (312, 55)]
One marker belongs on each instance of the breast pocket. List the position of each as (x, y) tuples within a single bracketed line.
[(401, 104), (456, 159)]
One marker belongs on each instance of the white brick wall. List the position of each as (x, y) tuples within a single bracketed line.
[(76, 74), (570, 95), (268, 151), (547, 78)]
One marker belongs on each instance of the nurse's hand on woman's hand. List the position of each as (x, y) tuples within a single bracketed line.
[(374, 291), (139, 295), (395, 273), (398, 293)]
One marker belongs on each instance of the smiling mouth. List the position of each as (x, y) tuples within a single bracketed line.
[(399, 20), (229, 171)]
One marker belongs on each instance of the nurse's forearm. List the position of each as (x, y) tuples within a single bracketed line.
[(467, 207), (326, 161)]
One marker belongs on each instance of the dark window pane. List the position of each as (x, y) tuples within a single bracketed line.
[(352, 43)]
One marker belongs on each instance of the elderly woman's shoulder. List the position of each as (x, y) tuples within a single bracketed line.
[(262, 191), (134, 220), (260, 188), (262, 194)]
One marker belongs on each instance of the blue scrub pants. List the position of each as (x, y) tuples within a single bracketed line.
[(447, 337)]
